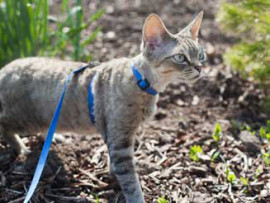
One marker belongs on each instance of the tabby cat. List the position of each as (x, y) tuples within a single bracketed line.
[(30, 89)]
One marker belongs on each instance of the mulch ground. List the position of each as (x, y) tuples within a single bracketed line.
[(77, 170)]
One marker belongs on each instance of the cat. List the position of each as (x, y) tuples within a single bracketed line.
[(30, 89)]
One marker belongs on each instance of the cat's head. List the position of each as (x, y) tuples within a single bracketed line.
[(175, 56)]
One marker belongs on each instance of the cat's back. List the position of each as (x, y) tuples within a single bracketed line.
[(36, 67), (30, 88), (33, 74)]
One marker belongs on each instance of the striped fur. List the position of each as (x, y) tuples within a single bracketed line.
[(30, 89)]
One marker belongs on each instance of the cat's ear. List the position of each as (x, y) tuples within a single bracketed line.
[(154, 31), (193, 27)]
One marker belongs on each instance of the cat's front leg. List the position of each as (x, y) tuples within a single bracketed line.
[(121, 152)]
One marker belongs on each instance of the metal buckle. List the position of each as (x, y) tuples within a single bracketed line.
[(146, 86)]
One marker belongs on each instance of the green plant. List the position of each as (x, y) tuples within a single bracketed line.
[(258, 172), (24, 30), (68, 32), (267, 128), (264, 132), (217, 134), (250, 21), (231, 177), (266, 157), (195, 151), (249, 129), (244, 181), (162, 200), (215, 156)]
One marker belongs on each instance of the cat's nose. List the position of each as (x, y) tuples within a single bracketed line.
[(198, 68)]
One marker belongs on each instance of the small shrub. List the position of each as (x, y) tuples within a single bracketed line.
[(249, 20), (195, 151)]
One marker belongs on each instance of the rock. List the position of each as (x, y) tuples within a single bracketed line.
[(202, 197), (200, 171), (109, 9), (210, 49), (111, 35), (195, 100), (180, 102), (205, 158), (264, 193), (250, 141)]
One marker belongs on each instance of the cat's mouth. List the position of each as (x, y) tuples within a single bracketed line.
[(191, 79)]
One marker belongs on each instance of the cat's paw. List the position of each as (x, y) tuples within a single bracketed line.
[(119, 198)]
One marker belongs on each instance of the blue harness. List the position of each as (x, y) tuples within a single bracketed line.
[(142, 83)]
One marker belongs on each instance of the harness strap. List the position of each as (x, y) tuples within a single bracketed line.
[(91, 102), (143, 83), (52, 128)]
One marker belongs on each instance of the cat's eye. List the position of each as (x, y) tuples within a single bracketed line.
[(179, 58), (202, 57)]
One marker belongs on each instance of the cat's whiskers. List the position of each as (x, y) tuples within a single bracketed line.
[(168, 71)]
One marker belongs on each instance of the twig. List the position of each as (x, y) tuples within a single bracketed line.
[(231, 194), (51, 179), (17, 200), (66, 198), (101, 183)]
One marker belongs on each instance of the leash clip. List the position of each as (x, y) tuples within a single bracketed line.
[(143, 84)]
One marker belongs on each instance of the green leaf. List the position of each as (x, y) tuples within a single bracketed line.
[(248, 128), (217, 132), (258, 172), (231, 177), (215, 156), (97, 15), (266, 158), (92, 36), (162, 200), (268, 136), (244, 181), (195, 151), (267, 129), (262, 132)]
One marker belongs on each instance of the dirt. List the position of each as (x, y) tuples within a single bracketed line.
[(77, 170)]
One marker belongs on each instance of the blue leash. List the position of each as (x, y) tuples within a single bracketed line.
[(142, 83), (52, 128)]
